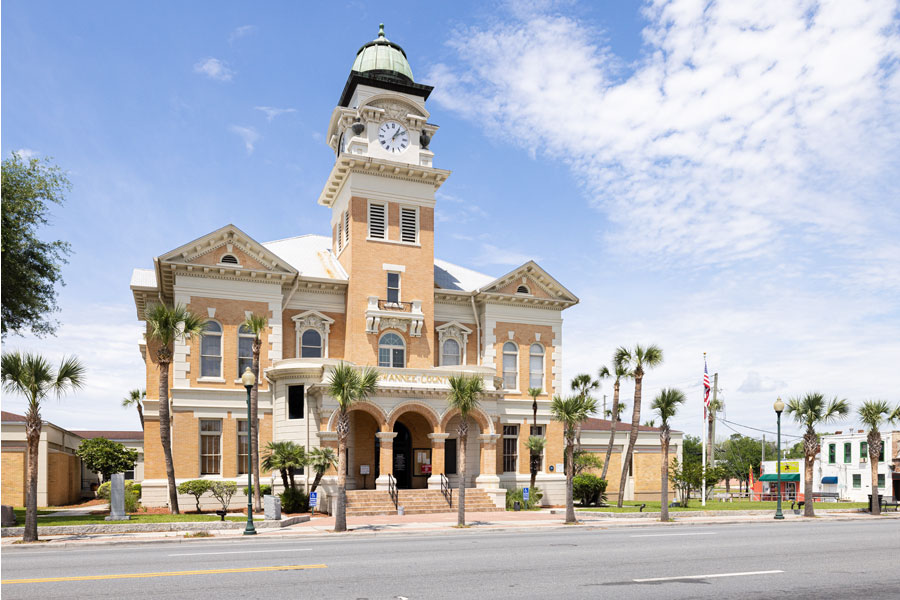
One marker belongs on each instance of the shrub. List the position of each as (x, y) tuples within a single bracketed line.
[(534, 498), (264, 490), (131, 501), (130, 486), (294, 501), (223, 491), (589, 489), (587, 461), (195, 488)]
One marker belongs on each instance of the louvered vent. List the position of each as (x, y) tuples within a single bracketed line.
[(347, 227), (229, 259), (377, 221), (340, 236), (409, 227), (522, 290)]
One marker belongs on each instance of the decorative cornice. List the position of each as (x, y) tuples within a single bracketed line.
[(347, 164)]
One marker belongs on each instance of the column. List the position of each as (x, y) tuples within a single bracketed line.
[(387, 458), (488, 477), (437, 459)]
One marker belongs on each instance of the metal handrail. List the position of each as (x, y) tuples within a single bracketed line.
[(392, 489), (398, 306), (446, 490)]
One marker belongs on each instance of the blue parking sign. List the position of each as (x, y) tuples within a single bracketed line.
[(313, 499), (525, 494)]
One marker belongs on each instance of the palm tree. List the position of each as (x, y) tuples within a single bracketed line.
[(285, 457), (583, 385), (534, 392), (347, 385), (256, 324), (666, 405), (320, 459), (136, 398), (165, 326), (32, 376), (809, 411), (874, 414), (621, 372), (571, 412), (465, 393), (636, 361), (535, 445)]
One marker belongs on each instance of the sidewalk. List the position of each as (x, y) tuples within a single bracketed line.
[(436, 524)]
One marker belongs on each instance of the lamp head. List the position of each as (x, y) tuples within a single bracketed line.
[(248, 379), (779, 406)]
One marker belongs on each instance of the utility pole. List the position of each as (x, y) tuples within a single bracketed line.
[(711, 444), (763, 451)]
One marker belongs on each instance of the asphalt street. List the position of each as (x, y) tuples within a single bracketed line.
[(754, 560)]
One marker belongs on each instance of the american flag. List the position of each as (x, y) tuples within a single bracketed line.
[(706, 387)]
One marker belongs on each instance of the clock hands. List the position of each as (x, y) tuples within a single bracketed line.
[(399, 131)]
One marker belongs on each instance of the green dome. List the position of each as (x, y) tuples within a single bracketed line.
[(384, 56)]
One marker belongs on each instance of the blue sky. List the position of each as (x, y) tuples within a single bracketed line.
[(707, 177)]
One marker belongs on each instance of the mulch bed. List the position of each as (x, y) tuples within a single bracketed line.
[(85, 504)]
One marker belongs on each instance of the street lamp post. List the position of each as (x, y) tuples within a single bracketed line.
[(779, 407), (248, 379)]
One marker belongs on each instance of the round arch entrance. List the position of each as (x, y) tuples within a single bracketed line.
[(412, 451)]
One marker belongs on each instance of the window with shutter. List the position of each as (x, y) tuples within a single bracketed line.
[(377, 221), (340, 236), (347, 227), (409, 225)]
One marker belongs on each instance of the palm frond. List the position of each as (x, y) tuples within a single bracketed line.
[(666, 404), (572, 410), (465, 393), (256, 324), (166, 324), (534, 392), (70, 375), (134, 397), (874, 413), (536, 443)]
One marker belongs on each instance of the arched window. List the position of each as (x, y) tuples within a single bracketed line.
[(391, 351), (536, 366), (510, 365), (229, 259), (311, 344), (211, 350), (523, 289), (450, 353), (245, 348)]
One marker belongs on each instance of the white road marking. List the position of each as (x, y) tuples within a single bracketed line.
[(711, 576), (243, 552), (674, 534)]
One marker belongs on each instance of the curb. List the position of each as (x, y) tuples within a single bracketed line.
[(177, 527)]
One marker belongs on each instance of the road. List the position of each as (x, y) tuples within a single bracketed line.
[(756, 560)]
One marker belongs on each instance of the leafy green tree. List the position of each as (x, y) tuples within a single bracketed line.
[(255, 324), (811, 411), (31, 266), (636, 361), (738, 454), (796, 451), (31, 376), (583, 385), (223, 491), (195, 488), (347, 385), (465, 394), (136, 398), (320, 459), (165, 326), (571, 411), (106, 457), (666, 405), (287, 458), (589, 489), (687, 477), (587, 461), (874, 414)]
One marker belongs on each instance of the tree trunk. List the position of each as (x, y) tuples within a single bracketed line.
[(632, 436), (534, 457), (874, 450), (808, 509), (254, 426), (33, 436), (612, 428), (463, 435), (340, 512), (164, 359), (140, 410), (316, 481), (284, 478), (664, 481), (570, 474)]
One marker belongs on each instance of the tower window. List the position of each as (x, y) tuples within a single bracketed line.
[(450, 353), (409, 225), (229, 259), (536, 366), (211, 350), (310, 344), (377, 221), (391, 351), (393, 287), (510, 365)]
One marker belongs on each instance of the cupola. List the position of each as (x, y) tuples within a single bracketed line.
[(383, 57)]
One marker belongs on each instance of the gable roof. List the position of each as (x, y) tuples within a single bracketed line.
[(310, 255), (606, 425), (449, 276), (8, 417), (116, 436), (533, 271)]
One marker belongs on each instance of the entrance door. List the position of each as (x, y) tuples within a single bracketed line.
[(402, 456)]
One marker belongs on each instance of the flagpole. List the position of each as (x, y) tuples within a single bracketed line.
[(704, 429)]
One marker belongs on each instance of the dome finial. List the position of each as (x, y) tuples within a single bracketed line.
[(381, 30)]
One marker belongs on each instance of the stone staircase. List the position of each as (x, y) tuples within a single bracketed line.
[(414, 502)]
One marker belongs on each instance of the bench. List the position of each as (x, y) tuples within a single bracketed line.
[(799, 504), (832, 496), (890, 503)]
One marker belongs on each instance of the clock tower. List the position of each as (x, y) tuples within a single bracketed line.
[(381, 192)]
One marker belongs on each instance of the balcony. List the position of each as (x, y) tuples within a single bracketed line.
[(405, 316)]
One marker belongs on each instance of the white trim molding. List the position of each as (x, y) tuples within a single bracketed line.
[(316, 321), (454, 330)]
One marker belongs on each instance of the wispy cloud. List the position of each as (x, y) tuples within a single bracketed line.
[(214, 69), (271, 112), (239, 32), (27, 153), (493, 255), (248, 134)]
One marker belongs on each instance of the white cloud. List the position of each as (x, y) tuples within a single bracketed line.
[(27, 153), (272, 112), (757, 383), (493, 255), (214, 69), (239, 32), (247, 134)]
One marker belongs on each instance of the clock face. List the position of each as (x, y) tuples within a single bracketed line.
[(393, 137)]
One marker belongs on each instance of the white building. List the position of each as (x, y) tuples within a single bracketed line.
[(844, 465)]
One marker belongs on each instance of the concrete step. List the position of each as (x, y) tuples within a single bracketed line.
[(378, 502)]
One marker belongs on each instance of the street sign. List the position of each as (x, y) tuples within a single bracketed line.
[(525, 494), (313, 499)]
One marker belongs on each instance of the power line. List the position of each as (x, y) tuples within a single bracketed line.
[(727, 422)]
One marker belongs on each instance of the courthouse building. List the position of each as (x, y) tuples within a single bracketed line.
[(371, 293)]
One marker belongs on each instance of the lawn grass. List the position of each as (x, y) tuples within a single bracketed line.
[(20, 513), (719, 505), (137, 518)]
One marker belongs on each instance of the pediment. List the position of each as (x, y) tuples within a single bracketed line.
[(539, 284), (228, 243)]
